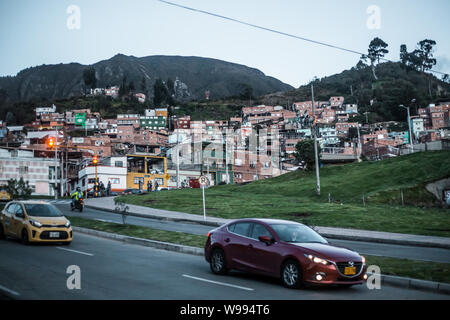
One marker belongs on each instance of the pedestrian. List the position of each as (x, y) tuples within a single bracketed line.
[(108, 189), (156, 185), (149, 186)]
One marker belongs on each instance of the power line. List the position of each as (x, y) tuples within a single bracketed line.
[(276, 31)]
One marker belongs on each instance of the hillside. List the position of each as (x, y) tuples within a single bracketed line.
[(59, 81), (292, 196), (395, 86)]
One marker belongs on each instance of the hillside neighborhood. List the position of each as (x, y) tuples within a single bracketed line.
[(139, 151)]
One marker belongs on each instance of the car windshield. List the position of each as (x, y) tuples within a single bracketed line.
[(42, 210), (297, 233)]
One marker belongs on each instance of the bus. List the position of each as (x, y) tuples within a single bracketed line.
[(142, 169)]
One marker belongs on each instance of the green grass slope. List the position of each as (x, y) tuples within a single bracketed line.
[(292, 196)]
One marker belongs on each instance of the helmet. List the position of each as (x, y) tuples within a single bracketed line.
[(78, 189)]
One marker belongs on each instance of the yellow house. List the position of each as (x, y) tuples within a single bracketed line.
[(142, 169)]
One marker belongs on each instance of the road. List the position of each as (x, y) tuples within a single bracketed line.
[(368, 248), (114, 270)]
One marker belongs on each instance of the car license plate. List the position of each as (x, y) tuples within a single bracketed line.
[(54, 234), (350, 271)]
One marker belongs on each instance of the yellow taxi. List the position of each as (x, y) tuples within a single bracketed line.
[(34, 221)]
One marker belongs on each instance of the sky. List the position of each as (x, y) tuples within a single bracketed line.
[(36, 32)]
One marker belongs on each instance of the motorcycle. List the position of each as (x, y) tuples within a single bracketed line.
[(78, 205)]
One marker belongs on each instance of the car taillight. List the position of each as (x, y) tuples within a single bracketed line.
[(208, 235)]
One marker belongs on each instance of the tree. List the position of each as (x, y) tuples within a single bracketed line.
[(18, 189), (161, 94), (143, 85), (89, 77), (304, 153), (377, 50)]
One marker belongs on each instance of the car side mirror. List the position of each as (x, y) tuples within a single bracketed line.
[(266, 239)]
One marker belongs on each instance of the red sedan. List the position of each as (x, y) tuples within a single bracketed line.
[(283, 249)]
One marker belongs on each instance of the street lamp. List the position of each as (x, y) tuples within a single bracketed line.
[(409, 125)]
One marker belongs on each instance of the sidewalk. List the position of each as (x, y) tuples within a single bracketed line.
[(328, 232)]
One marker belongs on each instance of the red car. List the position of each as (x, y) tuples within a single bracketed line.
[(283, 249)]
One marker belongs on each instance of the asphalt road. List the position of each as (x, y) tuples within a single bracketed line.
[(113, 270), (368, 248)]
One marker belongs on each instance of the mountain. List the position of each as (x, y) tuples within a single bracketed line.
[(395, 86), (195, 76)]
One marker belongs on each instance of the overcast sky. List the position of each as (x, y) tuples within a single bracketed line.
[(36, 32)]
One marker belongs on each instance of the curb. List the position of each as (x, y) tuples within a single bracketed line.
[(414, 243), (150, 216), (416, 284), (408, 283), (325, 234), (143, 242)]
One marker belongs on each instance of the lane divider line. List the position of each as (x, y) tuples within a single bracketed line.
[(75, 251), (217, 282), (14, 293)]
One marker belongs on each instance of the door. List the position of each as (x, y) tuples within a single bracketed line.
[(263, 258), (8, 219), (18, 222), (236, 243)]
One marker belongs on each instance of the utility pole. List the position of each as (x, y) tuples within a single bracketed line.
[(409, 127), (56, 165), (313, 127), (178, 154)]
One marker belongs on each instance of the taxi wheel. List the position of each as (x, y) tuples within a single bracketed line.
[(2, 233), (24, 237)]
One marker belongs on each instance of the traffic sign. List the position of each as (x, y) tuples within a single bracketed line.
[(204, 181)]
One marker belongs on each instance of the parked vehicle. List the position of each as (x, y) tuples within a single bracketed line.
[(131, 191), (291, 251), (34, 221)]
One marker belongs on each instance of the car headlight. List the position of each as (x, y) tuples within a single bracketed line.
[(35, 223), (67, 224), (316, 259)]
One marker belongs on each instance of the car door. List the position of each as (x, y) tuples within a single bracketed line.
[(17, 223), (236, 242), (263, 257), (8, 216)]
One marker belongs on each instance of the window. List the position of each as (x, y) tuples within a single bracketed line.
[(118, 164), (114, 180), (138, 179), (23, 170), (11, 208), (259, 230), (242, 228)]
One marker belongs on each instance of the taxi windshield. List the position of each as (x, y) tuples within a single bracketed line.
[(42, 210)]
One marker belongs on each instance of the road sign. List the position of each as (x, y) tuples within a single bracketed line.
[(204, 181), (80, 119)]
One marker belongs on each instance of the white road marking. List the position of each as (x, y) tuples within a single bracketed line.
[(76, 251), (219, 283), (14, 293)]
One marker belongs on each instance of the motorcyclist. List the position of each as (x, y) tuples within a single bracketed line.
[(76, 196)]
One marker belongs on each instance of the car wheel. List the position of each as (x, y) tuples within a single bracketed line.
[(218, 263), (24, 237), (291, 274), (2, 233), (81, 209)]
